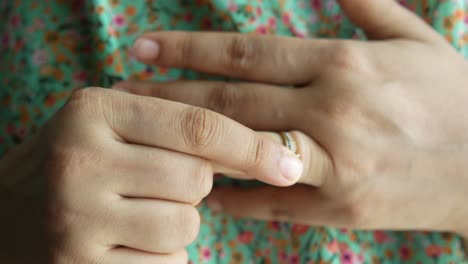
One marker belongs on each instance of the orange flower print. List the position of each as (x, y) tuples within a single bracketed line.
[(433, 250)]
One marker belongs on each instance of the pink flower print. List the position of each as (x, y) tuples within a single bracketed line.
[(272, 22), (333, 246), (286, 18), (119, 21), (259, 11), (337, 18), (381, 237), (5, 41), (330, 5), (299, 34), (21, 132), (39, 57), (206, 23), (275, 225), (347, 257), (206, 253), (222, 254), (294, 259), (15, 20), (262, 29), (245, 237), (232, 7), (111, 30), (80, 76), (343, 246), (405, 253), (188, 17), (316, 4), (39, 23), (10, 129), (313, 18), (283, 257)]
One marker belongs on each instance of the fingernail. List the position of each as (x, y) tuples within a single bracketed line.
[(214, 204), (291, 167), (146, 49)]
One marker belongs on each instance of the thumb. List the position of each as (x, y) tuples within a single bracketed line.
[(386, 19), (317, 164)]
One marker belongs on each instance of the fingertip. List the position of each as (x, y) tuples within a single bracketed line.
[(291, 167), (275, 164), (146, 49)]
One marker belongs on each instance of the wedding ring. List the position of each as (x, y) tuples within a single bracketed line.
[(289, 142)]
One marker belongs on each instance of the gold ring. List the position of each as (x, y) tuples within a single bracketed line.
[(289, 142)]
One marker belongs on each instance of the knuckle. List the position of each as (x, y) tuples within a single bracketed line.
[(359, 204), (86, 101), (357, 214), (241, 54), (86, 95), (185, 47), (199, 129), (65, 162), (340, 106), (225, 98), (349, 57), (203, 181), (257, 152), (278, 210)]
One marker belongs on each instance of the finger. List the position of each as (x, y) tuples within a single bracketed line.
[(154, 226), (200, 132), (298, 204), (317, 163), (254, 105), (387, 19), (232, 173), (154, 173), (270, 59), (122, 255)]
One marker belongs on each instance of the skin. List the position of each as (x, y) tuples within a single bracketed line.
[(380, 124), (115, 178)]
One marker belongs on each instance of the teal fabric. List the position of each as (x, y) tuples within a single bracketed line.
[(51, 47)]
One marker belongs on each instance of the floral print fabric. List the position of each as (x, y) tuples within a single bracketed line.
[(51, 47)]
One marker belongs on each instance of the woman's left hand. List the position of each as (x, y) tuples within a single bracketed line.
[(383, 124)]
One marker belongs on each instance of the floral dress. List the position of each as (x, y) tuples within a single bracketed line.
[(50, 47)]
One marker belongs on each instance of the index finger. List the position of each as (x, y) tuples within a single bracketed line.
[(271, 59), (192, 130)]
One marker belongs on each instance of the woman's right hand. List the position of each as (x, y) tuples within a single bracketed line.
[(121, 175)]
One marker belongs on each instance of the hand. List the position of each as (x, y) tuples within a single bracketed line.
[(383, 127), (122, 175)]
